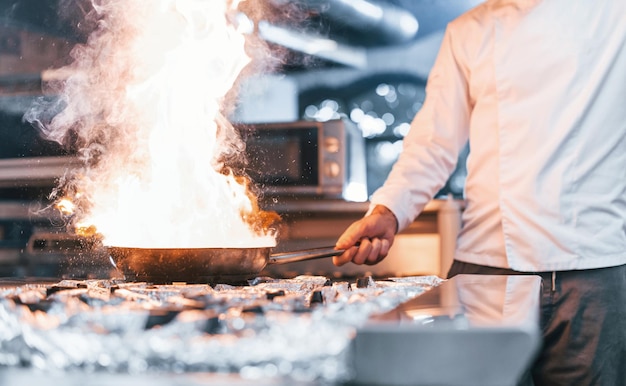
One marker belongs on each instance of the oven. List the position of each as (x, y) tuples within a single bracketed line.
[(307, 158)]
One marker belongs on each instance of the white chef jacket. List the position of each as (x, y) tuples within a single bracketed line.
[(539, 89)]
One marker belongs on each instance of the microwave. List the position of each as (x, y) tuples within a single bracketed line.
[(306, 158)]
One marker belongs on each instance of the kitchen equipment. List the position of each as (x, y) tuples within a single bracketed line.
[(102, 331), (315, 159), (470, 330), (204, 265)]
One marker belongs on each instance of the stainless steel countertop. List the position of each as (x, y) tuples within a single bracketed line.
[(477, 330), (470, 330)]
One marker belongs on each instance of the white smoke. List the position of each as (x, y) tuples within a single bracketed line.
[(144, 102)]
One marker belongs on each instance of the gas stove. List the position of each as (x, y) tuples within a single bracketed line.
[(308, 330), (299, 328)]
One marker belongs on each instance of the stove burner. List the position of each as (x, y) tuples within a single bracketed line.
[(262, 328)]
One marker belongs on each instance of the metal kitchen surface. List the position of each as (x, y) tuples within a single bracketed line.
[(299, 329), (305, 330), (477, 330)]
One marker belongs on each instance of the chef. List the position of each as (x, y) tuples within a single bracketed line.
[(539, 90)]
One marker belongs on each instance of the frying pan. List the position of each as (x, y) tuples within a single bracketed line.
[(204, 265)]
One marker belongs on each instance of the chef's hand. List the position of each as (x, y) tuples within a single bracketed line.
[(367, 241)]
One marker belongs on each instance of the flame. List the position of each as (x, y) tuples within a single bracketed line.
[(146, 102), (66, 206)]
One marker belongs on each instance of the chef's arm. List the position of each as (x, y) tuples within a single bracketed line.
[(432, 146)]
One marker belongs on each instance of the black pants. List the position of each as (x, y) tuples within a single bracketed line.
[(583, 320)]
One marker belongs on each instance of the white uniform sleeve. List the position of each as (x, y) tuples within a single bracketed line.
[(431, 148)]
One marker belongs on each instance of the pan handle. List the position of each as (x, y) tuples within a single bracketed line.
[(306, 254)]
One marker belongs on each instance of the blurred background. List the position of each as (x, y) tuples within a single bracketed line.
[(365, 60)]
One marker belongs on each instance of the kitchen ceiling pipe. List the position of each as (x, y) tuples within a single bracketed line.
[(313, 45), (376, 22)]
